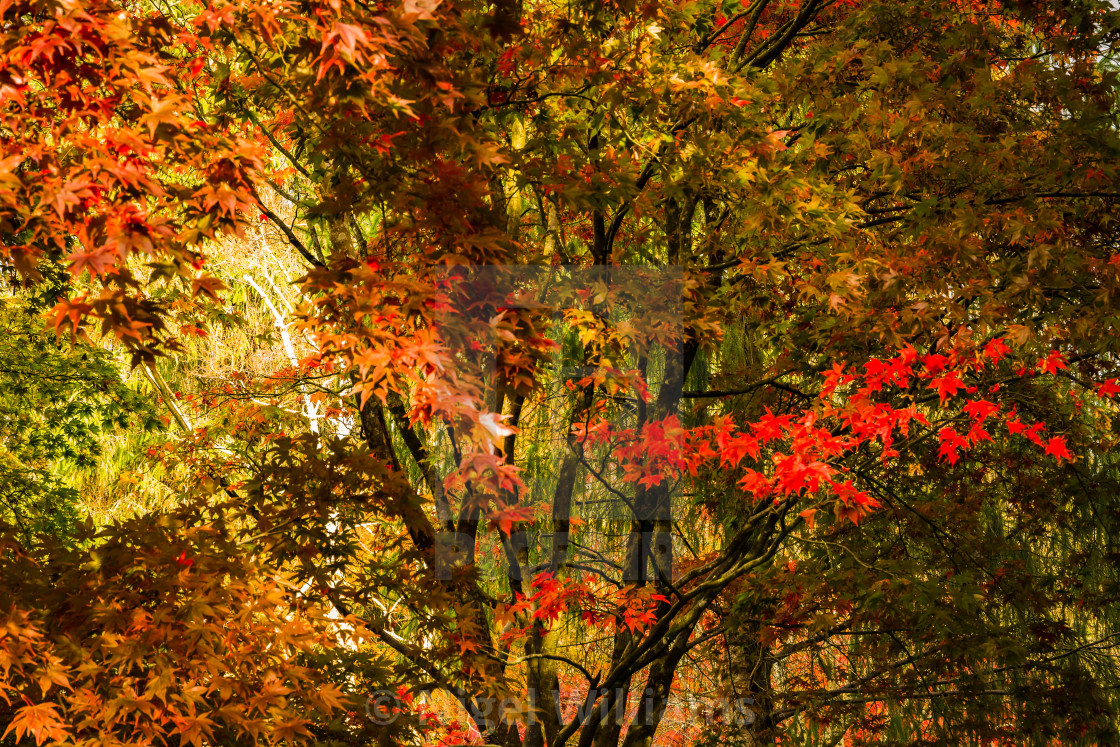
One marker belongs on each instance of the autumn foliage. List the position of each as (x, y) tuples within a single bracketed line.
[(585, 373)]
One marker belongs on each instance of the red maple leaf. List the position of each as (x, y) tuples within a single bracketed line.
[(980, 410), (1108, 389), (770, 426), (755, 482), (1056, 447), (996, 349), (976, 434), (935, 363), (947, 385), (1032, 433), (951, 441), (1052, 363), (736, 447)]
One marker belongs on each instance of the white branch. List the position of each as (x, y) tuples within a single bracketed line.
[(278, 319)]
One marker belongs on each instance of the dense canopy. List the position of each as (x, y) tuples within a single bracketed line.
[(559, 372)]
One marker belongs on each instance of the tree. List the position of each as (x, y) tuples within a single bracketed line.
[(761, 351), (58, 405)]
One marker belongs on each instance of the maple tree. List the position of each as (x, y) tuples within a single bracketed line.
[(616, 355)]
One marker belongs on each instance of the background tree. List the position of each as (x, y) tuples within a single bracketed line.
[(765, 349), (58, 407)]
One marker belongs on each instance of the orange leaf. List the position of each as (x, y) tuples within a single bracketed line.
[(41, 721)]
